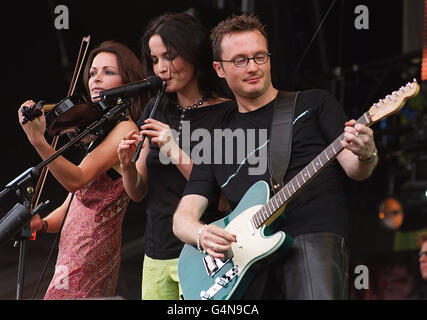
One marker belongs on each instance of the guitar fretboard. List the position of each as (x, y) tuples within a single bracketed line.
[(295, 185)]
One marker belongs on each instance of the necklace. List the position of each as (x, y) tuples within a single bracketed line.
[(194, 106), (184, 110)]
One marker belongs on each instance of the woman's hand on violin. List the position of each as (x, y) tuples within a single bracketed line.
[(127, 148), (161, 135), (34, 129)]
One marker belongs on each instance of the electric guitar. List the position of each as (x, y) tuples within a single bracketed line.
[(206, 278)]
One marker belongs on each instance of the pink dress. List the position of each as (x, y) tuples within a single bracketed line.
[(89, 248)]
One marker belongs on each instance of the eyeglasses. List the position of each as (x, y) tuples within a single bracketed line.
[(242, 61), (421, 253)]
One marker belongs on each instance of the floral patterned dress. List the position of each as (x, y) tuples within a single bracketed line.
[(89, 249)]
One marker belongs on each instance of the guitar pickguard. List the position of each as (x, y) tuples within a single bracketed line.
[(251, 243)]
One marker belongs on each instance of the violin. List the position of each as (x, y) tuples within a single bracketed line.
[(69, 115)]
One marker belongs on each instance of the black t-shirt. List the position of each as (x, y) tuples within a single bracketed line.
[(321, 205), (165, 182)]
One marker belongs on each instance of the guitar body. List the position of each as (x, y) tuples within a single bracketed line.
[(252, 250)]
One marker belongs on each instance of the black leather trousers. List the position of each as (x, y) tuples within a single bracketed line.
[(314, 268)]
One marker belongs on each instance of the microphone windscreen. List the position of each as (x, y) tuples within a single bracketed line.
[(155, 82)]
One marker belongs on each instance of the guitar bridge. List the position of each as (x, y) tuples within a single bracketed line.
[(220, 283), (213, 265)]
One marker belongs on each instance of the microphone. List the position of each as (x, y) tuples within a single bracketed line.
[(13, 221), (132, 89)]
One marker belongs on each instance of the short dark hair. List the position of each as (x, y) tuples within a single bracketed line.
[(184, 36), (233, 24), (421, 238), (130, 69)]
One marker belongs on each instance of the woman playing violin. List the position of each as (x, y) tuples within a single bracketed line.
[(89, 249)]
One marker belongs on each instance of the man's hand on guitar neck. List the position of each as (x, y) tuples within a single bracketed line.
[(359, 139), (359, 157)]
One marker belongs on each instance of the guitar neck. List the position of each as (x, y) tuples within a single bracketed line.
[(385, 107), (285, 194)]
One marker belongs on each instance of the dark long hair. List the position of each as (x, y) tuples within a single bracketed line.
[(130, 69), (184, 36)]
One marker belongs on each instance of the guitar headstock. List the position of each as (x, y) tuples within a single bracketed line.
[(393, 102)]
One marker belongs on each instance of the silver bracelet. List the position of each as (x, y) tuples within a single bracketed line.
[(199, 248), (371, 158)]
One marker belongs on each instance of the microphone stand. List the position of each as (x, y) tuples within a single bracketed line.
[(152, 113), (16, 223)]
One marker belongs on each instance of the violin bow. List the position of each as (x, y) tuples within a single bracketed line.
[(77, 70)]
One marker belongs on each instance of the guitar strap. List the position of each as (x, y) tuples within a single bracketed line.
[(279, 152)]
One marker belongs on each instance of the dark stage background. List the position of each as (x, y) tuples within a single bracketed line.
[(358, 66)]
